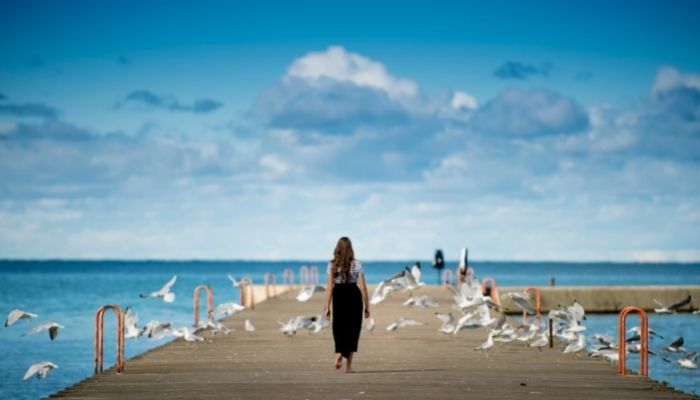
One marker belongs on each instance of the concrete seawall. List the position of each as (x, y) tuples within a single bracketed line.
[(602, 299)]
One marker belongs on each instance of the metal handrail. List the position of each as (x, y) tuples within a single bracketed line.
[(644, 341), (99, 337), (494, 292), (210, 303), (288, 278), (538, 304), (313, 275), (247, 293), (446, 278), (270, 277), (303, 275)]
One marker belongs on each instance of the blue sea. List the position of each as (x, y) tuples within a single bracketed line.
[(69, 293)]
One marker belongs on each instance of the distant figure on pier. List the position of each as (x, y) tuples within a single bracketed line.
[(463, 268), (439, 264), (347, 289)]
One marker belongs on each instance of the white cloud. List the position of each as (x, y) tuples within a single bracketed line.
[(463, 100), (668, 78), (338, 64)]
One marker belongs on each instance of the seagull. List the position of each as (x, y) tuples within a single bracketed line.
[(637, 331), (305, 293), (156, 329), (187, 334), (216, 326), (521, 300), (467, 321), (290, 327), (371, 325), (541, 342), (604, 340), (416, 272), (164, 292), (576, 347), (676, 346), (228, 308), (249, 327), (487, 344), (131, 331), (688, 361), (17, 315), (234, 282), (664, 309), (423, 301), (401, 322), (576, 311), (40, 369), (448, 319), (51, 326)]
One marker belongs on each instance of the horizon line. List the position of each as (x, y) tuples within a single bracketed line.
[(456, 261)]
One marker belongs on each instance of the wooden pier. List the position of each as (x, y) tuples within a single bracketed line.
[(416, 362)]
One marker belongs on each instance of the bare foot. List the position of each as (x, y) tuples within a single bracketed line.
[(349, 371), (338, 362)]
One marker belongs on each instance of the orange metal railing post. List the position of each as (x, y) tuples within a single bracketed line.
[(538, 303), (99, 337), (303, 275), (289, 278), (247, 293), (313, 275), (210, 303), (494, 292), (270, 277), (644, 341), (447, 278)]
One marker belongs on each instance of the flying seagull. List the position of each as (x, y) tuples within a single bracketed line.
[(40, 369), (51, 326), (17, 315), (156, 329), (688, 361), (664, 309), (164, 292), (131, 331)]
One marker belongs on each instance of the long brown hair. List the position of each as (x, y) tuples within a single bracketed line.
[(343, 256)]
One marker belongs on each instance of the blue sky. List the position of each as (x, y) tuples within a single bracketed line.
[(537, 131)]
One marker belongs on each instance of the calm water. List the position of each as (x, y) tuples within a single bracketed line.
[(69, 292)]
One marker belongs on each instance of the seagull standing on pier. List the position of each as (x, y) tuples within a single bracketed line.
[(164, 292), (249, 327)]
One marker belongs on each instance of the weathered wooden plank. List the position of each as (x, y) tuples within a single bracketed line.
[(412, 363)]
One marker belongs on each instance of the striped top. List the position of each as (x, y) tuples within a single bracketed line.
[(355, 271)]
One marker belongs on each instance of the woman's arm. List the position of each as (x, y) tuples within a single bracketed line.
[(329, 292), (363, 290)]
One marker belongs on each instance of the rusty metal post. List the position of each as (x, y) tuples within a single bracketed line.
[(644, 341), (99, 337), (210, 303)]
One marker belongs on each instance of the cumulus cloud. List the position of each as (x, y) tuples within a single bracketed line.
[(534, 112), (520, 70), (28, 110), (153, 100), (337, 64)]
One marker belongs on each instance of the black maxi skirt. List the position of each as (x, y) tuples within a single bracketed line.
[(347, 317)]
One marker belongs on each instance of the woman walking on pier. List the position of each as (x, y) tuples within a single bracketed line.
[(346, 287)]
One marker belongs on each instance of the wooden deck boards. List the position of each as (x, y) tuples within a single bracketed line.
[(412, 363)]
